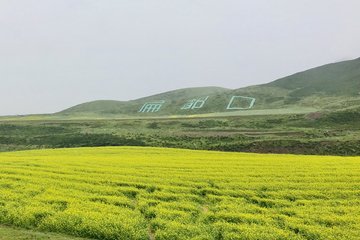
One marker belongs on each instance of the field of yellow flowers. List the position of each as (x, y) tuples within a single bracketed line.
[(147, 193)]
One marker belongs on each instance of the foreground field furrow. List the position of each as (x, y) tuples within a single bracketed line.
[(122, 192)]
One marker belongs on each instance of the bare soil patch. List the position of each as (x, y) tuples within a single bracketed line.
[(314, 115)]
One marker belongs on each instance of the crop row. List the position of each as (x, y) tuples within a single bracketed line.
[(133, 193)]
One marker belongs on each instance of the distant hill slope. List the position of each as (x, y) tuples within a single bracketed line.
[(123, 107), (94, 106), (330, 87), (342, 78), (184, 93)]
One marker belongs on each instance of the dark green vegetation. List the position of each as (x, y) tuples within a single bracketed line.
[(331, 87), (331, 133)]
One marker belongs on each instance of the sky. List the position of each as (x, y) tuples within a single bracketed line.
[(55, 54)]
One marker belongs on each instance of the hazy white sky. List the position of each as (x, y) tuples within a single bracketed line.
[(58, 53)]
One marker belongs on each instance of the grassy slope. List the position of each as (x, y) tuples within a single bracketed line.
[(10, 233), (95, 106), (342, 78), (186, 93), (107, 107), (334, 86), (266, 99)]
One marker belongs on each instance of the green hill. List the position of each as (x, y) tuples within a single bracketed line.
[(183, 93), (95, 106), (342, 78), (333, 86), (105, 107)]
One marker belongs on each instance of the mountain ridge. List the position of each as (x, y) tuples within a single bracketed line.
[(332, 86)]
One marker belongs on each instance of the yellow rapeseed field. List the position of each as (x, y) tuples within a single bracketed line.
[(141, 193)]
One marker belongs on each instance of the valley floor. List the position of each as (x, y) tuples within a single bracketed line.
[(315, 133)]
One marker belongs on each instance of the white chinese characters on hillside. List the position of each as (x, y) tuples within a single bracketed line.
[(195, 103), (151, 106)]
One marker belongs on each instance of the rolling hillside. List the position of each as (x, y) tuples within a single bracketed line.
[(333, 86), (342, 78), (132, 107)]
